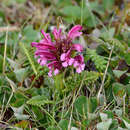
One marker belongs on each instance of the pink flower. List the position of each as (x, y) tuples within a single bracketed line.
[(66, 58), (77, 47), (57, 54), (74, 32), (79, 63)]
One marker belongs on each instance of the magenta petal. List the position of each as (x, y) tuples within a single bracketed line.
[(74, 32), (44, 46), (46, 54), (52, 64), (65, 64), (77, 47), (39, 60), (34, 44), (46, 37), (82, 66), (71, 61), (43, 62), (76, 64), (62, 57), (78, 70), (50, 73), (57, 33), (56, 71)]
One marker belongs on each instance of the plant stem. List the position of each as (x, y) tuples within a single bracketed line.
[(5, 49), (104, 76)]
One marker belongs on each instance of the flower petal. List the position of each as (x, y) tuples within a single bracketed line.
[(77, 47), (82, 67), (76, 64), (50, 73), (34, 44), (46, 54), (74, 32), (65, 64), (56, 71), (47, 37), (71, 61), (57, 33), (63, 56), (78, 70), (44, 46)]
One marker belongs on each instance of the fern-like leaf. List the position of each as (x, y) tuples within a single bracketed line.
[(99, 61)]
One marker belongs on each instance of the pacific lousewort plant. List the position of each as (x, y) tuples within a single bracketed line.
[(61, 52)]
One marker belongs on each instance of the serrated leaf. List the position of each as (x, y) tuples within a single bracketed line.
[(39, 101), (98, 60), (91, 76)]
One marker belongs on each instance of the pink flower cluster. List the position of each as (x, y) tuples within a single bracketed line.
[(61, 52)]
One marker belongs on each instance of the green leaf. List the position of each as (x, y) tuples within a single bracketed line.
[(128, 89), (91, 21), (108, 4), (13, 64), (99, 61), (30, 34), (21, 116), (21, 74), (52, 128), (37, 112), (18, 112), (126, 122), (92, 102), (64, 124), (108, 34), (22, 124), (21, 1), (81, 105), (26, 51), (119, 128), (58, 81), (72, 12), (119, 89), (103, 116), (39, 101), (1, 63), (118, 73), (127, 58), (19, 109), (104, 125), (92, 76)]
